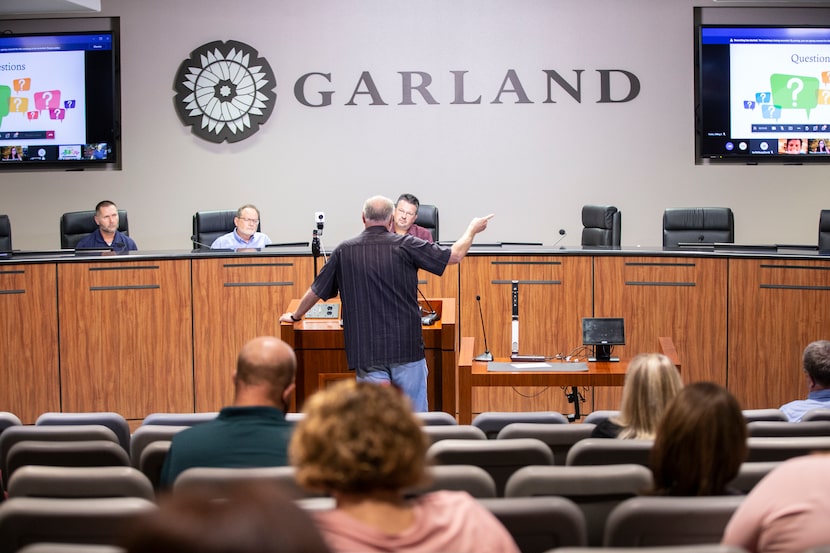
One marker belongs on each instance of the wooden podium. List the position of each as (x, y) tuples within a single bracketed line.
[(321, 355)]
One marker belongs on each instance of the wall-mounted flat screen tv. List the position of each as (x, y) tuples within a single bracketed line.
[(59, 100), (763, 87)]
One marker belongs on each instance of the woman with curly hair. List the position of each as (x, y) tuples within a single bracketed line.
[(361, 443)]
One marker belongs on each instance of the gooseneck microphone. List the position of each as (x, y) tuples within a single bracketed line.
[(193, 239), (431, 316), (486, 356), (563, 233)]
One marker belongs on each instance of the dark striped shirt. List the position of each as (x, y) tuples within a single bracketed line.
[(376, 275)]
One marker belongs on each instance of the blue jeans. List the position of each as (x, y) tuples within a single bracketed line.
[(411, 378)]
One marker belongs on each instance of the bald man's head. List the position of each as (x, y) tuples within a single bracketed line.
[(266, 362)]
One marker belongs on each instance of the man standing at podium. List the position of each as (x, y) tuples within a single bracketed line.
[(376, 275)]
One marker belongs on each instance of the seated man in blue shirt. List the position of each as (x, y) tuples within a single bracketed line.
[(244, 236), (253, 431), (107, 235), (816, 365)]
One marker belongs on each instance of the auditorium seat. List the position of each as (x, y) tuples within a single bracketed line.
[(75, 453), (435, 418), (428, 218), (596, 417), (602, 451), (491, 422), (216, 481), (151, 461), (559, 437), (15, 434), (782, 428), (29, 520), (705, 225), (663, 520), (698, 548), (750, 473), (178, 419), (71, 548), (500, 458), (596, 490), (68, 482), (8, 419), (538, 524), (821, 414), (145, 435), (74, 225), (5, 233), (770, 414), (469, 478), (114, 421), (602, 225), (455, 432), (781, 449)]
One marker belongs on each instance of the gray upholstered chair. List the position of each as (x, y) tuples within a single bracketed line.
[(662, 520), (114, 421), (210, 225), (559, 437), (454, 432), (705, 225), (596, 490), (538, 524), (216, 481), (491, 422), (74, 225), (602, 451), (769, 414), (82, 453), (469, 478), (49, 481), (602, 225)]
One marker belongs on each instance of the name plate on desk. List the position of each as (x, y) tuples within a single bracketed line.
[(539, 367)]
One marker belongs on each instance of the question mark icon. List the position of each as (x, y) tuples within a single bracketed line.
[(21, 83), (47, 97), (797, 85), (825, 95), (17, 102)]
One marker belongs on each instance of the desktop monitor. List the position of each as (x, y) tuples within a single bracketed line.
[(603, 333)]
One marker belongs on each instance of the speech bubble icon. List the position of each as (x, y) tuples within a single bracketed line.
[(771, 111), (48, 99), (749, 104), (794, 91), (68, 104), (763, 97), (57, 113), (824, 96), (21, 85), (32, 115), (825, 77), (18, 104)]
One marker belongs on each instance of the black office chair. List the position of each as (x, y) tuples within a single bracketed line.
[(428, 218), (698, 224), (602, 225), (823, 230), (77, 224), (210, 225), (5, 234)]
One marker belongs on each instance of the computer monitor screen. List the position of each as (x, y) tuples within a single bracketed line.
[(603, 333)]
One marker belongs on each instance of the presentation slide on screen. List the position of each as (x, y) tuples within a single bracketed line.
[(779, 89), (42, 98)]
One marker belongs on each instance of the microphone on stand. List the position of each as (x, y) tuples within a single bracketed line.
[(486, 356), (563, 234), (207, 246), (432, 315)]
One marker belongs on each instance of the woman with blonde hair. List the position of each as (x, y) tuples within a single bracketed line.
[(651, 383), (361, 443)]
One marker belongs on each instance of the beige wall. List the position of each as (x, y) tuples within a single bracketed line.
[(534, 165)]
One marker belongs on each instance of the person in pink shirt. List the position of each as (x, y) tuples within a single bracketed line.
[(786, 512), (361, 443)]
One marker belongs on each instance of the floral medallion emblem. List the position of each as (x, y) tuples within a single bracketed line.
[(224, 91)]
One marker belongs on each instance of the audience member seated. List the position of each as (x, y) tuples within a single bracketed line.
[(787, 510), (816, 367), (406, 213), (700, 442), (245, 235), (252, 519), (651, 383), (361, 443), (107, 235), (253, 431)]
